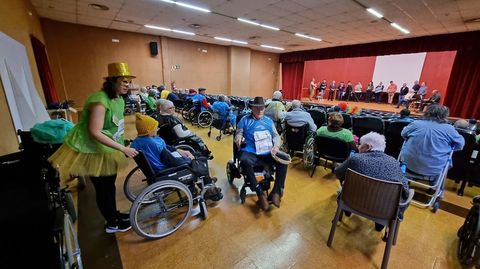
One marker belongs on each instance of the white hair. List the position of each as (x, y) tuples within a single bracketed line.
[(375, 140), (296, 104), (277, 95), (163, 105)]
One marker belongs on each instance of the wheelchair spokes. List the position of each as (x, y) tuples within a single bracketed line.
[(469, 242), (134, 184)]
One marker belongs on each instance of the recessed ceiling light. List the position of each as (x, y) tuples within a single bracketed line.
[(271, 47), (98, 7)]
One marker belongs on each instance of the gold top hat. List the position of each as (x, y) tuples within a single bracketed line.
[(119, 70)]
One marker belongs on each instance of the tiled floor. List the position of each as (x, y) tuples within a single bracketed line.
[(293, 236)]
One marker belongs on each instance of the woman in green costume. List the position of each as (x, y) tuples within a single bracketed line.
[(95, 146)]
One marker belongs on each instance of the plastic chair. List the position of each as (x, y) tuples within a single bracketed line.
[(361, 195)]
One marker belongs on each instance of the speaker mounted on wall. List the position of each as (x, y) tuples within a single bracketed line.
[(153, 48)]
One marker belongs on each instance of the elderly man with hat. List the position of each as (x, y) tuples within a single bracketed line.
[(95, 146), (258, 141)]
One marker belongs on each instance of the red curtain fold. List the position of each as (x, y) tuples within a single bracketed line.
[(464, 85), (44, 71), (445, 42), (292, 76)]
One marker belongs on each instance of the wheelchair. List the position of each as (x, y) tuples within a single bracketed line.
[(422, 184), (468, 251), (162, 202), (222, 123), (193, 112)]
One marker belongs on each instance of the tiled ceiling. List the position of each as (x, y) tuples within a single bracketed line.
[(336, 22)]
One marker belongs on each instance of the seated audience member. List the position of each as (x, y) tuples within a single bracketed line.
[(161, 155), (334, 109), (165, 94), (335, 130), (428, 142), (472, 124), (166, 109), (405, 116), (461, 124), (261, 140), (223, 110), (200, 97), (434, 99), (298, 117), (373, 162), (147, 98), (275, 110)]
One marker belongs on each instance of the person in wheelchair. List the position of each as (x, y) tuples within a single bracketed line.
[(299, 117), (224, 112), (162, 156), (373, 162), (165, 116), (257, 139), (275, 110), (200, 97), (428, 143)]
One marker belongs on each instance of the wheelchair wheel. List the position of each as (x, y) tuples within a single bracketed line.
[(70, 206), (171, 207), (134, 184), (203, 209), (184, 112), (309, 153), (468, 250), (243, 195), (185, 147), (230, 175), (218, 138), (205, 119), (191, 116)]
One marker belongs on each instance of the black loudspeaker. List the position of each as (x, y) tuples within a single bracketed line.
[(153, 48)]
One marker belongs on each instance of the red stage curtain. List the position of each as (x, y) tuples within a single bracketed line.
[(446, 42), (292, 75), (464, 86), (44, 71)]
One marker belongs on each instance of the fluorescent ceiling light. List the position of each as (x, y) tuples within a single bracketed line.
[(157, 27), (248, 21), (270, 27), (309, 37), (187, 6), (403, 30), (223, 39), (239, 42), (271, 47), (231, 40), (183, 32), (375, 13)]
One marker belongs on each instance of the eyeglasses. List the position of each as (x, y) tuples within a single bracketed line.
[(171, 107)]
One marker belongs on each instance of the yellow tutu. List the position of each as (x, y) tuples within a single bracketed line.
[(69, 162)]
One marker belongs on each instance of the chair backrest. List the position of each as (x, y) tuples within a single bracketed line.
[(332, 148), (179, 103), (166, 132), (394, 138), (347, 121), (296, 136), (375, 198), (145, 167), (461, 159), (364, 125), (319, 117)]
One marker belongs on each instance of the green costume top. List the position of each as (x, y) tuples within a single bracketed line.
[(343, 134), (79, 138)]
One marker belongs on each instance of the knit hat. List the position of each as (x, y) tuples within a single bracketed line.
[(145, 124)]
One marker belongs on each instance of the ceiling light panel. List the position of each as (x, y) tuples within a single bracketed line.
[(248, 21), (375, 13), (400, 28), (308, 37), (187, 6), (231, 40), (271, 47)]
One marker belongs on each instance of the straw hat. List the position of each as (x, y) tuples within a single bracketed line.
[(119, 70)]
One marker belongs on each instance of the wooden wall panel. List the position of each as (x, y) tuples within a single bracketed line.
[(264, 70)]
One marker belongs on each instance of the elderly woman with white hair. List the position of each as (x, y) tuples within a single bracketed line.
[(373, 162)]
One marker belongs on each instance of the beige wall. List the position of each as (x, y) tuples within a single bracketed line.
[(79, 61), (16, 22), (239, 67), (264, 69)]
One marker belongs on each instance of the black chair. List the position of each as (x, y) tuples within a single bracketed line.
[(347, 121), (466, 162), (394, 137), (295, 137), (364, 125), (319, 117), (330, 149), (373, 199)]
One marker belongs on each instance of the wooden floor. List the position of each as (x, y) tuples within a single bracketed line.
[(293, 236)]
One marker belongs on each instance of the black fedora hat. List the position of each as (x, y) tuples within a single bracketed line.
[(257, 101)]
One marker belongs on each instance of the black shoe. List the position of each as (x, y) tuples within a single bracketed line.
[(379, 227), (214, 194), (123, 216), (121, 226)]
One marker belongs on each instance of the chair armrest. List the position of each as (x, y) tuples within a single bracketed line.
[(410, 196), (172, 170)]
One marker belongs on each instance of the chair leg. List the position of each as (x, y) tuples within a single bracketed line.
[(395, 233), (313, 170), (388, 247), (462, 187), (334, 226)]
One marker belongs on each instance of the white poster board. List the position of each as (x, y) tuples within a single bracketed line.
[(399, 68), (26, 107)]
